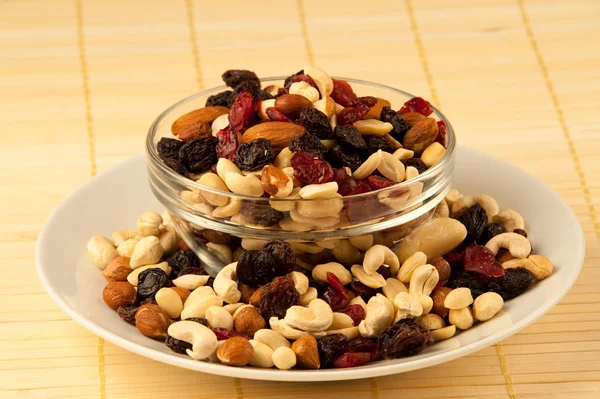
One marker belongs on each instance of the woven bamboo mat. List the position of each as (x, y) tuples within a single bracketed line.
[(80, 82)]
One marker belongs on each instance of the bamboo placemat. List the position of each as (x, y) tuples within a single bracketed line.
[(80, 82)]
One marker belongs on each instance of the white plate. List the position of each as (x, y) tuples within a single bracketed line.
[(114, 199)]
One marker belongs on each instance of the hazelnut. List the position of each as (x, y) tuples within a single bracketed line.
[(246, 291), (152, 321), (442, 266), (183, 293), (255, 298), (439, 296), (307, 352), (248, 321), (118, 293), (235, 351), (117, 270)]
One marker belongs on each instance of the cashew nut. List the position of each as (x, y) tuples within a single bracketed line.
[(487, 305), (317, 316), (233, 206), (283, 357), (341, 320), (442, 334), (423, 280), (458, 298), (442, 210), (271, 338), (288, 332), (461, 318), (350, 332), (197, 306), (169, 301), (246, 185), (310, 294), (168, 239), (380, 314), (305, 90), (283, 159), (218, 317), (225, 286), (452, 196), (133, 276), (374, 280), (517, 245), (288, 224), (432, 154), (327, 106), (363, 242), (300, 281), (101, 251), (149, 224), (203, 340), (120, 236), (408, 305), (488, 203), (147, 251), (321, 79), (262, 356), (319, 273), (191, 281), (358, 301), (379, 255), (510, 219)]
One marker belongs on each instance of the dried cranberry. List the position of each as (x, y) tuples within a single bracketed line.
[(261, 214), (481, 260), (356, 313), (376, 143), (361, 188), (127, 312), (276, 115), (474, 219), (378, 182), (417, 104), (277, 297), (405, 338), (200, 320), (345, 182), (178, 166), (351, 359), (315, 122), (282, 252), (177, 345), (384, 271), (234, 77), (228, 143), (475, 282), (416, 163), (340, 156), (335, 293), (330, 347), (309, 169), (442, 133), (308, 143), (257, 267), (349, 137), (356, 111), (342, 93), (400, 126), (181, 260), (490, 230), (149, 282), (222, 99), (336, 284), (362, 290), (243, 110), (254, 154), (513, 283), (168, 148), (198, 155), (223, 333)]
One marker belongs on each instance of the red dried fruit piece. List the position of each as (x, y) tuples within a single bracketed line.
[(482, 261), (336, 284), (309, 169), (356, 313), (417, 104), (362, 344), (342, 93), (345, 182), (276, 116), (384, 271), (361, 187), (243, 111), (378, 182), (301, 78), (362, 290), (456, 257), (229, 141), (351, 359), (442, 133), (223, 333), (356, 111)]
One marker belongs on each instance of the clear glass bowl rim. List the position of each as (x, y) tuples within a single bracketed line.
[(184, 181)]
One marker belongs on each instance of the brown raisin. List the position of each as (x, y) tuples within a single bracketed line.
[(277, 297), (234, 77), (405, 338)]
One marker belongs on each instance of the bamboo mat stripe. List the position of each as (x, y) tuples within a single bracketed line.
[(509, 382), (189, 5), (302, 17)]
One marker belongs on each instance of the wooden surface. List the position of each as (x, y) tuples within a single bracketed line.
[(80, 83)]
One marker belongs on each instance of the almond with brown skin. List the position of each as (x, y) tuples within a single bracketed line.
[(307, 352), (152, 321), (196, 124), (117, 270), (375, 111), (421, 135), (235, 351), (412, 117), (118, 293), (278, 133), (292, 104), (183, 293), (439, 296), (255, 298)]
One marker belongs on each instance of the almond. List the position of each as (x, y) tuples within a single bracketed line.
[(375, 111), (412, 117), (278, 133), (307, 352), (421, 135), (117, 270), (292, 104), (196, 124), (255, 298), (118, 293), (152, 321), (183, 293), (235, 351)]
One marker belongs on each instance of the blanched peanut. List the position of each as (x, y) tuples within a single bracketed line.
[(319, 273), (101, 251), (288, 224), (402, 154), (392, 288), (220, 123), (126, 249), (374, 280), (346, 253), (310, 294), (149, 224), (198, 305), (432, 154), (224, 165), (262, 109), (408, 267), (325, 190), (283, 357), (191, 281), (341, 320), (246, 185), (487, 305), (253, 243), (286, 206), (218, 317), (323, 222), (262, 356), (275, 182), (368, 166), (458, 298), (306, 247), (431, 321), (321, 208), (408, 305), (373, 127), (442, 334), (283, 159), (214, 181), (147, 251), (272, 338), (391, 167), (461, 318), (363, 242), (170, 302)]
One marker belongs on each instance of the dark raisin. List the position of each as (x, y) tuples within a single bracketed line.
[(277, 297), (342, 93), (298, 77), (282, 252), (177, 166), (376, 143), (199, 271), (520, 232), (181, 260), (150, 281), (514, 282), (177, 345), (248, 86), (362, 290), (168, 148), (384, 271), (243, 111), (482, 261), (308, 143), (218, 237), (309, 169), (198, 320), (405, 338), (416, 163), (221, 99), (378, 182), (234, 77), (263, 95), (417, 104), (199, 155), (400, 126), (355, 312), (228, 143), (315, 122), (254, 154), (276, 115), (339, 157), (127, 312), (362, 344), (345, 182), (350, 137), (330, 347), (261, 214), (288, 80), (351, 359), (474, 219), (257, 267), (490, 230), (476, 283)]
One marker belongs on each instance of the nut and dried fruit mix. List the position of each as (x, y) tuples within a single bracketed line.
[(330, 304)]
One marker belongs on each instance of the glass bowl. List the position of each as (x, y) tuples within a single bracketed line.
[(387, 214)]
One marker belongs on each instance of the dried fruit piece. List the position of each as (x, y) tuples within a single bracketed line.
[(416, 163), (356, 111), (400, 126), (351, 359), (330, 347), (308, 143), (362, 290), (309, 169), (261, 214), (228, 143), (513, 283), (243, 111), (149, 282), (350, 137), (345, 182), (168, 148), (490, 230), (234, 77), (481, 260), (177, 345), (475, 282), (474, 219), (378, 182), (356, 313), (275, 115), (127, 312), (340, 156), (277, 297), (282, 252), (256, 267), (442, 133), (342, 93), (316, 122), (199, 155), (405, 338), (177, 166), (335, 293), (181, 260), (254, 154), (376, 143), (222, 99), (417, 104)]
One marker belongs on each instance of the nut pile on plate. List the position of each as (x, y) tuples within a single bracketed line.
[(302, 305), (312, 138)]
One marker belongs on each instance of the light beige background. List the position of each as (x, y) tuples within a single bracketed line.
[(80, 82)]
